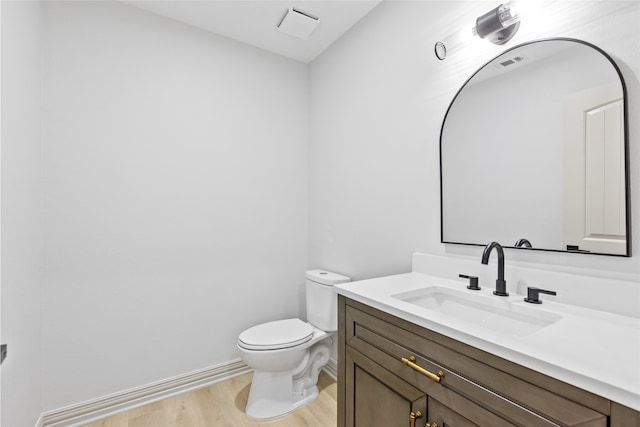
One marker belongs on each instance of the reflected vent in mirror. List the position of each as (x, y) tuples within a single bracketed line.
[(511, 61)]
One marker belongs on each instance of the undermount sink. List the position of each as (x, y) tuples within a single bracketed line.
[(494, 313)]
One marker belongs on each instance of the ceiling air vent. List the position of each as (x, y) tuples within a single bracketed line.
[(298, 24)]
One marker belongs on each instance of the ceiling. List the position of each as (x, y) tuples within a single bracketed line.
[(255, 22)]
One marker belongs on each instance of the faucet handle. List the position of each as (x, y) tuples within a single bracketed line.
[(473, 282), (533, 295)]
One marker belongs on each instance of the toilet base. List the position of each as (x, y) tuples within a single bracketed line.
[(274, 394), (271, 396)]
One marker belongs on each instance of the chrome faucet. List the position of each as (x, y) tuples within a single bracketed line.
[(501, 284)]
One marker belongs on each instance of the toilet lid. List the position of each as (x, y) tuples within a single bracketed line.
[(275, 335)]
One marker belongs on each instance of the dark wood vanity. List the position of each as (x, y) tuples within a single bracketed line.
[(392, 372)]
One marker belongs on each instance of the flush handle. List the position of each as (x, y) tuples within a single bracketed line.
[(411, 363)]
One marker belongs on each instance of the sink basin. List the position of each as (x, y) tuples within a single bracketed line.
[(494, 313)]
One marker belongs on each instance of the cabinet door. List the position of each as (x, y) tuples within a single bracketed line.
[(380, 398), (442, 416), (458, 411)]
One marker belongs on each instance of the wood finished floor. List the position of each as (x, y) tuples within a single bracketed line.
[(222, 404)]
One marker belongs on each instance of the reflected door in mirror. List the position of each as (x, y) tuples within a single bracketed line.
[(594, 181)]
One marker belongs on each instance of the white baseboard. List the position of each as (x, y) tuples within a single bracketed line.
[(87, 412)]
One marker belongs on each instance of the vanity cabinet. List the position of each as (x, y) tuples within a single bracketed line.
[(392, 372)]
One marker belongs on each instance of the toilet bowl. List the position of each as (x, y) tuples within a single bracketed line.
[(287, 355)]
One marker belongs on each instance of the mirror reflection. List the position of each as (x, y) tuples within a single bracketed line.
[(533, 152)]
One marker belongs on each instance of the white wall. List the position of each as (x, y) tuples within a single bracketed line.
[(377, 99), (21, 212), (175, 197)]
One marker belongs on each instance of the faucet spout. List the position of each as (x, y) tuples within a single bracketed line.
[(501, 284), (523, 243)]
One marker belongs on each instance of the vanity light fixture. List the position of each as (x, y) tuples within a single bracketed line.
[(453, 41), (498, 26)]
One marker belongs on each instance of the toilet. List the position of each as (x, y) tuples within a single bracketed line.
[(287, 355)]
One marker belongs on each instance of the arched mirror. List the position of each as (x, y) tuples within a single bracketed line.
[(533, 152)]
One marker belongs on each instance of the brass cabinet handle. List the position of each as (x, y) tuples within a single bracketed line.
[(411, 363), (433, 424), (414, 416)]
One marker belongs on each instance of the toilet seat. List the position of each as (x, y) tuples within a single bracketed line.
[(276, 335)]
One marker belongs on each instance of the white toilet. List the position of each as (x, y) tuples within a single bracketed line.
[(287, 355)]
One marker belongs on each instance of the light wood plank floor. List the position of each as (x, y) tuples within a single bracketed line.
[(222, 404)]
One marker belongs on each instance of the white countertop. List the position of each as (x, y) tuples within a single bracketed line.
[(594, 350)]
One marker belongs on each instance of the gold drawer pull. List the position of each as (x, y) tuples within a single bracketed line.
[(433, 424), (414, 416), (411, 363)]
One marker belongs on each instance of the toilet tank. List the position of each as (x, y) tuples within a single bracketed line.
[(322, 299)]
